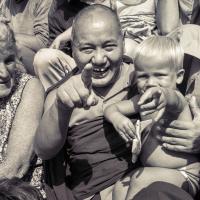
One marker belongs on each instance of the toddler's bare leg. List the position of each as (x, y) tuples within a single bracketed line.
[(106, 194), (121, 188), (143, 177)]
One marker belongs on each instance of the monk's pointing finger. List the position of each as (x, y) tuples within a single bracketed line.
[(86, 75)]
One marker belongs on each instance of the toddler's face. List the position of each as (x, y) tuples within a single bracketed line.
[(155, 72), (7, 66)]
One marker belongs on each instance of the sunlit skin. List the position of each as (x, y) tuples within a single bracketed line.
[(7, 66), (153, 72), (100, 44)]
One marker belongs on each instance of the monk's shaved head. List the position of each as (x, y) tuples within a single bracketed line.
[(94, 16)]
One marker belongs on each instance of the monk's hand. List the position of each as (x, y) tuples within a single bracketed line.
[(182, 136), (77, 91), (153, 100)]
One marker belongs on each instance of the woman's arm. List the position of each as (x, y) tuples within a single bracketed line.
[(167, 16), (26, 120)]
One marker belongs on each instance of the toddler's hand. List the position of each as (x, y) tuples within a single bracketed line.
[(125, 128), (153, 100)]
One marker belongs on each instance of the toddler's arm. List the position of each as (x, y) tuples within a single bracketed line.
[(116, 114)]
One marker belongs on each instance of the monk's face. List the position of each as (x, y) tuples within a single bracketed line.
[(98, 41)]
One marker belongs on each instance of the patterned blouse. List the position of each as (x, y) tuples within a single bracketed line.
[(8, 108)]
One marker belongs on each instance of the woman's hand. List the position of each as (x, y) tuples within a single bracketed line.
[(182, 136)]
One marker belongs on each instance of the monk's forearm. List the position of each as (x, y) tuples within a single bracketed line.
[(52, 131)]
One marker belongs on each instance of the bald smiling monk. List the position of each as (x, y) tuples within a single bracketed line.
[(72, 130)]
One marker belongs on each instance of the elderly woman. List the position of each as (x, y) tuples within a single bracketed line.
[(21, 107), (29, 22)]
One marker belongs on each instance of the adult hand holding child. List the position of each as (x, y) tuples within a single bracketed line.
[(183, 136)]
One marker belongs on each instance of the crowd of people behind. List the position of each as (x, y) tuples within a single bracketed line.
[(99, 99)]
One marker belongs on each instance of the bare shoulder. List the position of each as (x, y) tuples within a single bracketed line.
[(33, 94), (31, 105)]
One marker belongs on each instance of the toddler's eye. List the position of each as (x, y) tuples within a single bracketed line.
[(160, 75)]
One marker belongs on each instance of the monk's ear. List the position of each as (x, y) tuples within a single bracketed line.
[(180, 76)]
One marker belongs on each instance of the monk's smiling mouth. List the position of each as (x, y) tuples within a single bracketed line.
[(100, 72)]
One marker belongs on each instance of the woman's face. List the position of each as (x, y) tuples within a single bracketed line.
[(7, 66)]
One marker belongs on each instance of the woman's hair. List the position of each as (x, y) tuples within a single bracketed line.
[(161, 47), (16, 189), (7, 39)]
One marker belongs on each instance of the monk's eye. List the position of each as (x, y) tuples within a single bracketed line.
[(87, 50), (110, 47)]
